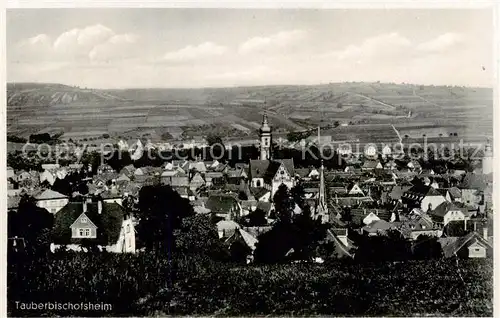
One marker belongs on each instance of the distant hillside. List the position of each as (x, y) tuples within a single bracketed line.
[(40, 94), (237, 111)]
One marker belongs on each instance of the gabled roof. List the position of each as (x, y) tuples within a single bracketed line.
[(258, 168), (50, 195), (302, 172), (109, 222), (451, 245), (423, 190), (397, 191), (169, 173), (227, 225), (341, 249), (249, 239), (83, 215), (123, 177), (455, 192), (370, 164), (258, 192), (379, 226), (445, 207), (267, 168), (197, 178)]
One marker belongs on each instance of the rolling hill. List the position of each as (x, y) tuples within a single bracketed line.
[(88, 113)]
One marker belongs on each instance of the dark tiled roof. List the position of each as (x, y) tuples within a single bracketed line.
[(443, 208), (258, 168), (267, 168), (264, 206), (108, 223), (423, 190), (258, 192), (451, 245), (222, 203)]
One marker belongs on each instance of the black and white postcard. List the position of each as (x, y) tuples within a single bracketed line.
[(249, 161)]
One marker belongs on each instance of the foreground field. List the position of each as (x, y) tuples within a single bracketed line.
[(144, 285)]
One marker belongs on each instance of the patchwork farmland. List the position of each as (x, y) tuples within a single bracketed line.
[(365, 107)]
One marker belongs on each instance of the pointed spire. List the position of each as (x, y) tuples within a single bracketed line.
[(321, 207)]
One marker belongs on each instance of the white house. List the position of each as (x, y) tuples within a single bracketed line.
[(104, 225), (51, 200), (446, 212)]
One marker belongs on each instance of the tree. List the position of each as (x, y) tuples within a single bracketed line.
[(274, 245), (298, 194), (255, 218), (391, 246), (198, 235), (32, 223), (62, 186), (284, 204), (239, 251), (213, 139), (427, 247), (161, 210)]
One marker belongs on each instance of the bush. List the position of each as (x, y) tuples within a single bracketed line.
[(148, 284)]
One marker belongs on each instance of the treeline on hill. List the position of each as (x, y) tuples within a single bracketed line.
[(186, 269)]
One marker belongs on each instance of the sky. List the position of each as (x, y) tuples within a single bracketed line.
[(137, 48)]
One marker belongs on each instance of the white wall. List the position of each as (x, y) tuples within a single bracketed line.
[(434, 200)]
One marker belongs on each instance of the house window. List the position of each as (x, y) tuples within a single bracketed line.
[(84, 232), (477, 249), (128, 228), (257, 183), (282, 172), (129, 242), (83, 220)]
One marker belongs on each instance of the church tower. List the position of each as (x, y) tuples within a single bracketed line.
[(265, 139), (321, 207), (487, 159)]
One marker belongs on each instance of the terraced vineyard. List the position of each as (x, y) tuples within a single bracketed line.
[(86, 113)]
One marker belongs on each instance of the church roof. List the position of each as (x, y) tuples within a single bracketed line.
[(267, 169)]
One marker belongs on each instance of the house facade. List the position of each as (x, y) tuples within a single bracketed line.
[(51, 200), (100, 224)]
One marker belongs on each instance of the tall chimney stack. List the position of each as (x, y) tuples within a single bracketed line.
[(485, 233), (99, 206), (85, 206)]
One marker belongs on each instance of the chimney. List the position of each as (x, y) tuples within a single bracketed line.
[(485, 233), (99, 206), (85, 206), (465, 224), (475, 226)]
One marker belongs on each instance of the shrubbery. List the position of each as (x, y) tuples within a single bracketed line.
[(187, 284)]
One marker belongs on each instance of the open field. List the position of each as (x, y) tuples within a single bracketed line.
[(417, 110)]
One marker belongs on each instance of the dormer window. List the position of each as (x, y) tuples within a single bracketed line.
[(84, 220)]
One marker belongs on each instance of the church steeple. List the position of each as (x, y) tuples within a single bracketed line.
[(265, 139), (321, 207), (487, 158)]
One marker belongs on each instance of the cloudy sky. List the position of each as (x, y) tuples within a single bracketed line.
[(119, 48)]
